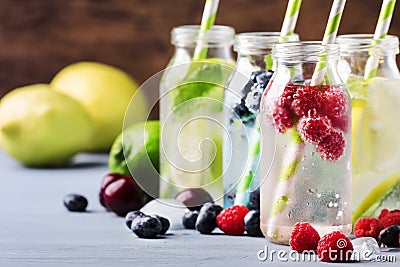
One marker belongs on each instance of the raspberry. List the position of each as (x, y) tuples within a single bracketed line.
[(305, 99), (231, 220), (314, 129), (334, 102), (304, 237), (383, 213), (286, 99), (368, 227), (389, 218), (334, 247), (341, 123), (331, 148), (283, 118)]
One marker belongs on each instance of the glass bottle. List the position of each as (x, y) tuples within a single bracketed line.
[(241, 146), (191, 104), (305, 167), (375, 128)]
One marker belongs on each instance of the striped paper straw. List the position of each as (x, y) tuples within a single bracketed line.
[(207, 22), (290, 20), (381, 30), (329, 37)]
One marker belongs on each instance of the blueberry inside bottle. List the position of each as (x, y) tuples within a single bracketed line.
[(241, 144)]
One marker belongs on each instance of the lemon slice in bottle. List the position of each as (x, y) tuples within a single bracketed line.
[(385, 195)]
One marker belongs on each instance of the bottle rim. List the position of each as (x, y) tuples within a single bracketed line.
[(188, 35), (305, 51), (259, 42), (351, 43)]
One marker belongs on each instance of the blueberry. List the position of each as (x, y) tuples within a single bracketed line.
[(390, 236), (131, 216), (252, 223), (189, 219), (206, 220), (243, 112), (146, 226), (164, 224), (75, 202), (254, 200)]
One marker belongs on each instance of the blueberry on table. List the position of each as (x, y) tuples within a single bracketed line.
[(75, 202), (252, 223), (131, 216), (390, 236), (189, 219), (206, 220), (164, 224), (146, 226)]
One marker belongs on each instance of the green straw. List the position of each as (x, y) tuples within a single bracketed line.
[(207, 22), (329, 37), (381, 30), (290, 20)]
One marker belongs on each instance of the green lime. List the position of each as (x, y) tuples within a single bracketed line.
[(134, 147)]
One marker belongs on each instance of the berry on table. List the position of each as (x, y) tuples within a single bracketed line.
[(304, 237), (231, 220), (164, 224), (252, 223), (390, 236), (75, 202), (206, 220), (389, 218), (146, 226), (131, 216), (189, 219), (365, 227), (334, 247)]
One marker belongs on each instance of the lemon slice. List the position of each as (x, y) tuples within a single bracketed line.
[(379, 195)]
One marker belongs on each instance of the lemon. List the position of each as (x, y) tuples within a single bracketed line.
[(105, 92), (386, 191), (41, 127), (374, 128)]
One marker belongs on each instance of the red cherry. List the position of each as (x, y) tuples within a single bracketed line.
[(108, 179), (194, 198), (121, 194)]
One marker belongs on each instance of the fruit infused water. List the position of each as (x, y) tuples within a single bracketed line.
[(241, 151), (375, 128), (305, 144), (191, 104)]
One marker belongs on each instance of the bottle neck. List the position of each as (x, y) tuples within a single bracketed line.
[(217, 42), (355, 50)]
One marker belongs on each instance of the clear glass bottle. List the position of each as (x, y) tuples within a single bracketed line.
[(305, 144), (241, 146), (191, 104), (375, 127)]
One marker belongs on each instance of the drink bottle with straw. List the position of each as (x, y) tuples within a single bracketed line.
[(368, 66), (253, 70), (305, 119), (191, 104)]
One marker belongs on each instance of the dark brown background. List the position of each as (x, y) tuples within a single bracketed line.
[(39, 37)]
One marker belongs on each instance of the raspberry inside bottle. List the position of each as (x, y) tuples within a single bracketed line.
[(306, 144)]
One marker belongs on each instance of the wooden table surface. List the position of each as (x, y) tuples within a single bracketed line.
[(36, 229)]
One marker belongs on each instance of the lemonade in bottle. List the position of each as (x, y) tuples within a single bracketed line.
[(375, 127), (191, 104)]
